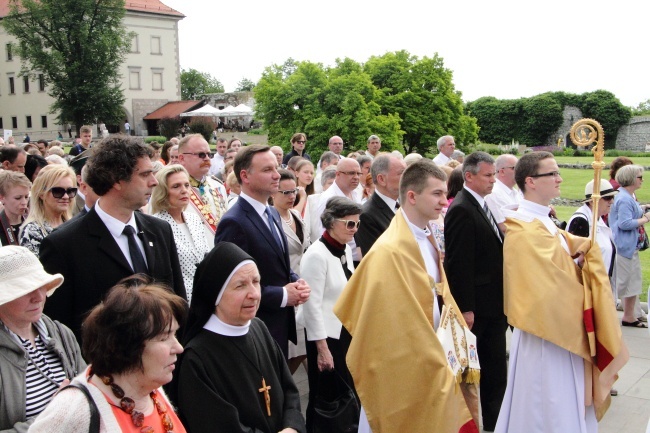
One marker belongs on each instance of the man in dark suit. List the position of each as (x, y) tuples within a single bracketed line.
[(111, 241), (474, 267), (255, 227), (377, 213)]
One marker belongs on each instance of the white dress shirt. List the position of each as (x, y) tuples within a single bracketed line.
[(116, 227)]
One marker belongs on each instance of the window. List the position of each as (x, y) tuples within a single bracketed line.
[(1, 125), (14, 122), (135, 48), (10, 54), (26, 84), (12, 86), (134, 78), (156, 79), (29, 121), (43, 121), (41, 83), (155, 45)]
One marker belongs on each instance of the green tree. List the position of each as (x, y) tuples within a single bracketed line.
[(643, 109), (542, 116), (245, 85), (421, 93), (322, 102), (604, 107), (499, 119), (78, 45), (195, 84)]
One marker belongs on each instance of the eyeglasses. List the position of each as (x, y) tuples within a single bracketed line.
[(351, 173), (300, 141), (289, 191), (59, 192), (555, 174), (201, 155), (350, 224), (511, 166)]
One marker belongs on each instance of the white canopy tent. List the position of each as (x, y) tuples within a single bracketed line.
[(230, 111), (205, 111)]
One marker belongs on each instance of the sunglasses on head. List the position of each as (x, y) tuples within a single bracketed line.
[(59, 192)]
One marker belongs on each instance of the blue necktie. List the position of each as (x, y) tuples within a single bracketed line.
[(274, 233)]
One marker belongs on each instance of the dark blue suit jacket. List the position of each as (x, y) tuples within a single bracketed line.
[(243, 226)]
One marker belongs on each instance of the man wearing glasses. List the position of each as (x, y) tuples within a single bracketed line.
[(550, 386), (335, 145), (504, 194), (208, 196), (298, 141), (348, 176)]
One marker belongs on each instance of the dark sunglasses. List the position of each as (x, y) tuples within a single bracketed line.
[(201, 155), (59, 192), (350, 224), (608, 198), (301, 141)]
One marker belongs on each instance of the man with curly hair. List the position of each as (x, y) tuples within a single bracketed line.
[(112, 240)]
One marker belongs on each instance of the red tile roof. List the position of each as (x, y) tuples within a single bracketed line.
[(172, 109), (148, 6)]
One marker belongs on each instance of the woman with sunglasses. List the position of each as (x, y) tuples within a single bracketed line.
[(298, 240), (326, 267), (50, 205)]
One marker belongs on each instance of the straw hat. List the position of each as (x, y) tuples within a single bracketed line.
[(21, 273), (606, 189)]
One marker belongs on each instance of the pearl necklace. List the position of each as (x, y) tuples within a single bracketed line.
[(289, 221)]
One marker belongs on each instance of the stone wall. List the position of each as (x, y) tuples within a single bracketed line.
[(570, 115), (222, 100), (142, 107), (635, 135)]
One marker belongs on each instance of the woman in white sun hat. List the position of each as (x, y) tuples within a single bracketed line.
[(37, 355)]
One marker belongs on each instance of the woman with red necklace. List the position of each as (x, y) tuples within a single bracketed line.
[(130, 342)]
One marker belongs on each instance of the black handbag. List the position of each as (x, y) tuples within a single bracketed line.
[(337, 415)]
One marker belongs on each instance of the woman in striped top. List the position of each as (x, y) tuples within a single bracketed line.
[(37, 355)]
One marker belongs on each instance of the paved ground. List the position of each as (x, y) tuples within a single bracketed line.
[(629, 411)]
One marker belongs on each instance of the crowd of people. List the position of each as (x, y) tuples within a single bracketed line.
[(186, 288)]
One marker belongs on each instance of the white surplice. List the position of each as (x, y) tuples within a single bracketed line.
[(546, 384)]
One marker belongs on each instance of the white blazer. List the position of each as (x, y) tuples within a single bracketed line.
[(324, 274)]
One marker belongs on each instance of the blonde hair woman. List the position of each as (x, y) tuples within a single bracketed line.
[(50, 204), (168, 202)]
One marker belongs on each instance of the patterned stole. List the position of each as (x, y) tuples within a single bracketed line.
[(204, 211)]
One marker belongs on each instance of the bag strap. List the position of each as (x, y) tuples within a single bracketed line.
[(94, 412)]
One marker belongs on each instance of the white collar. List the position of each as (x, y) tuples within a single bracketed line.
[(479, 199), (259, 207), (389, 201), (114, 226), (216, 325), (419, 232)]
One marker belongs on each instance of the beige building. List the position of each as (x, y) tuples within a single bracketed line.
[(150, 75)]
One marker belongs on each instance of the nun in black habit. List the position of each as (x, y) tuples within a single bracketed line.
[(233, 376)]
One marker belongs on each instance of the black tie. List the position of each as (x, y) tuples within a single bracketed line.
[(139, 265), (274, 233), (490, 218), (396, 205)]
